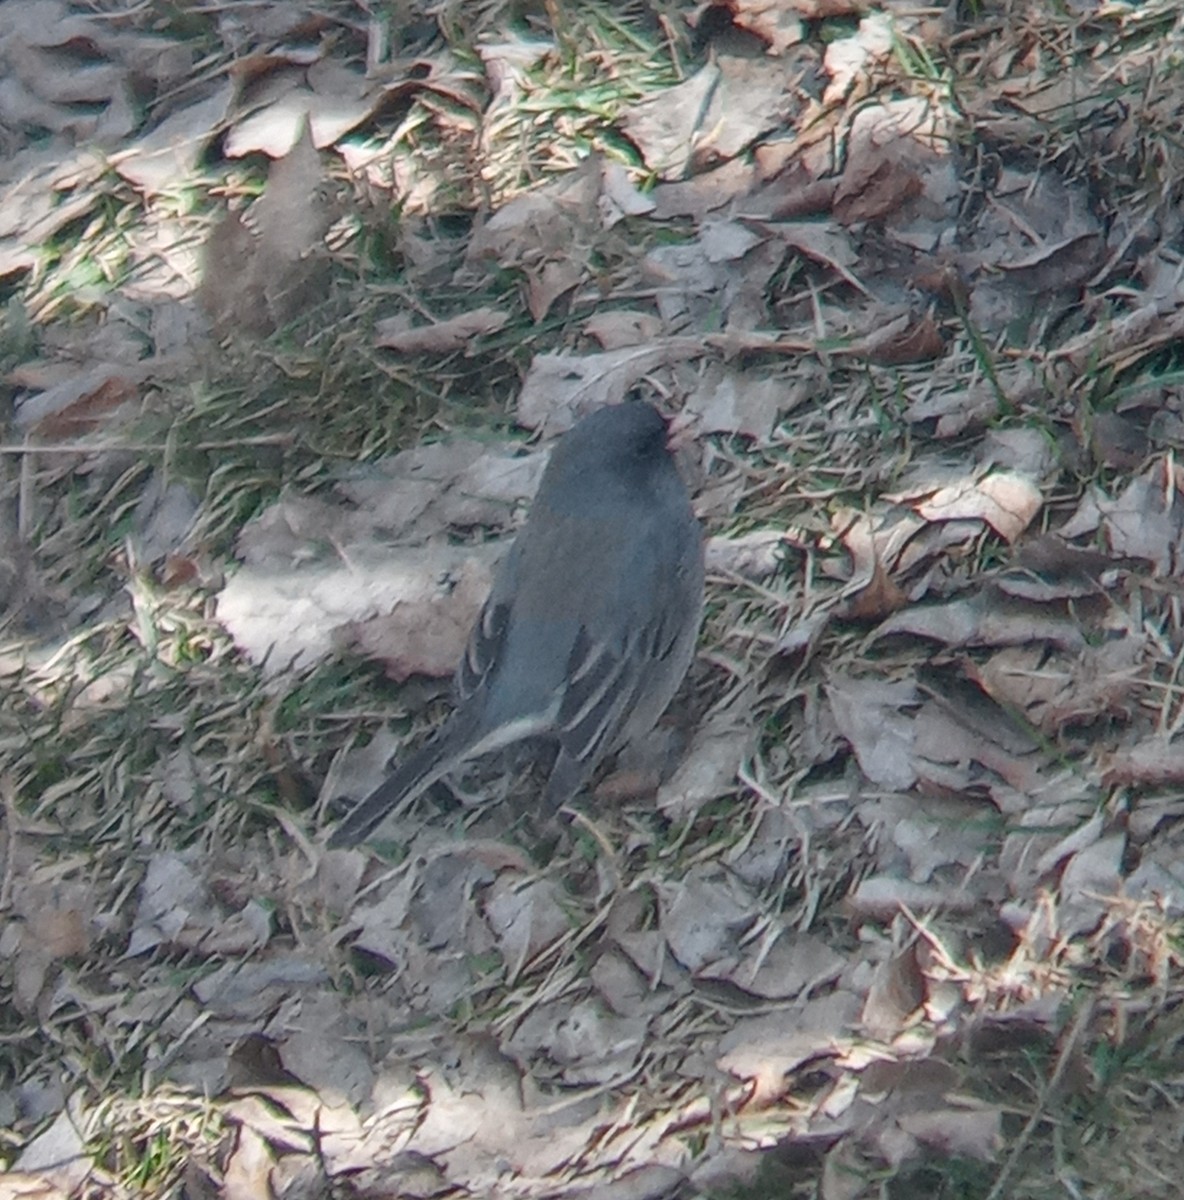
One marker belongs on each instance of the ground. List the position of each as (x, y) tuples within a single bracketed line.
[(297, 300)]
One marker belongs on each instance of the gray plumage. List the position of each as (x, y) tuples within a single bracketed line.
[(590, 625)]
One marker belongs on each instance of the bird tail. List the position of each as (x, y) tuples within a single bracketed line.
[(448, 749)]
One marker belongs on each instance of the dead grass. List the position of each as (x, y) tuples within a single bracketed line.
[(144, 732)]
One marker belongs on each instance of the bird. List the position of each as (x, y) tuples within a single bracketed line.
[(590, 625)]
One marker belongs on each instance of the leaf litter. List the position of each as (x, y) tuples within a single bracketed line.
[(936, 701)]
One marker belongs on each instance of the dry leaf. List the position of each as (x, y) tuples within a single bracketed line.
[(525, 918), (897, 991), (728, 400), (720, 744), (664, 127), (704, 917), (776, 22), (561, 388), (168, 154), (986, 619), (868, 714), (442, 337), (616, 328), (412, 608), (767, 1049), (1005, 500), (58, 1154)]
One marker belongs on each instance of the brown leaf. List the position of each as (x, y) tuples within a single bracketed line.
[(872, 599), (720, 743), (664, 127), (881, 897), (547, 283), (1153, 762), (949, 735), (616, 328), (721, 276), (320, 1044), (1118, 441), (753, 555), (620, 197), (778, 23), (956, 410), (260, 276), (177, 908), (1091, 878), (780, 966), (291, 219), (411, 608), (1055, 689), (1005, 500), (703, 918), (526, 917), (1067, 263), (917, 341), (555, 222), (705, 193), (561, 388), (78, 405), (58, 1153), (767, 1049), (985, 619), (868, 714), (19, 1185), (872, 593), (171, 151), (247, 1175), (1147, 518), (442, 337), (851, 59), (961, 1127), (733, 401), (897, 990)]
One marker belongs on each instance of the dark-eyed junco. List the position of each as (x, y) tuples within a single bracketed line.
[(591, 622)]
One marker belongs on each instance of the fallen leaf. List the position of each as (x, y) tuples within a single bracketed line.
[(896, 992), (766, 1049), (664, 127), (619, 197), (782, 965), (247, 1175), (1146, 520), (703, 918), (1153, 762), (321, 1045), (169, 153), (526, 917), (616, 328), (441, 337), (81, 403), (59, 1152), (853, 58), (985, 619), (412, 608), (704, 193), (561, 388), (778, 23), (883, 897), (737, 402), (868, 714), (753, 555), (1056, 689), (1003, 499), (719, 745), (260, 275)]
